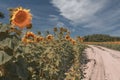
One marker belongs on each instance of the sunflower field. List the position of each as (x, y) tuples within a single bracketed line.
[(25, 55)]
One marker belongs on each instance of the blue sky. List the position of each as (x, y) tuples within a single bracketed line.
[(81, 17)]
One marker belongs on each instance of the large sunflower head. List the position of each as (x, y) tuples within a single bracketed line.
[(20, 17)]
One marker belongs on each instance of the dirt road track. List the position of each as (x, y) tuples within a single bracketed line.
[(104, 64)]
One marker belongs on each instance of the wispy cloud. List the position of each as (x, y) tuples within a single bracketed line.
[(91, 14), (76, 10)]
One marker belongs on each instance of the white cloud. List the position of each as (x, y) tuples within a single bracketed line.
[(78, 10), (86, 12)]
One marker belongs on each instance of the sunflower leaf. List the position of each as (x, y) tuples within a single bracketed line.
[(4, 57)]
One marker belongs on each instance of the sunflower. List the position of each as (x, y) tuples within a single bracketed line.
[(55, 29), (41, 38), (49, 37), (38, 39), (73, 41), (25, 40), (20, 17), (67, 37), (29, 37)]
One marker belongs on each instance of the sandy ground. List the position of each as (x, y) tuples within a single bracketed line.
[(104, 64)]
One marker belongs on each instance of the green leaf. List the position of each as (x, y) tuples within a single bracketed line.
[(4, 27), (22, 68), (4, 57)]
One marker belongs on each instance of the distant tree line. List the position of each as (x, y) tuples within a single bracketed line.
[(100, 38)]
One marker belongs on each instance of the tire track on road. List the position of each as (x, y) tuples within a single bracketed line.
[(104, 65)]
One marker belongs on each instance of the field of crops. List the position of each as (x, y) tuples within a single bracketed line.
[(25, 55), (112, 45)]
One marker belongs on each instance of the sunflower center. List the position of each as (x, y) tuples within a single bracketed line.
[(20, 17)]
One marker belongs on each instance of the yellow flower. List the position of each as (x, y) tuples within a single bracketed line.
[(30, 34), (67, 37), (72, 41), (24, 40), (29, 38), (39, 38), (49, 37), (20, 17)]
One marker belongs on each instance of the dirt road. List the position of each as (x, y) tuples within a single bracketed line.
[(104, 64)]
